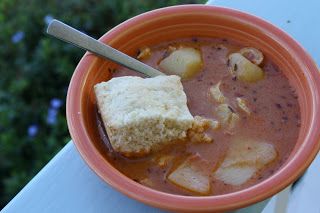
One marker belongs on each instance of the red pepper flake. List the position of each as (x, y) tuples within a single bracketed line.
[(283, 97), (138, 52), (235, 68), (278, 106), (228, 62), (165, 54), (194, 39), (237, 94), (230, 108)]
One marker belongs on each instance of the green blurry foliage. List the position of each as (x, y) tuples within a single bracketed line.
[(35, 70)]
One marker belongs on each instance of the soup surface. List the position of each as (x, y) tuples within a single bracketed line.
[(274, 118)]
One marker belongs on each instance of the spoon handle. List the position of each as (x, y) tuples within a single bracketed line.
[(66, 33)]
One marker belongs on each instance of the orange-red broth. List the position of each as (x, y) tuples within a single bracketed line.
[(275, 117)]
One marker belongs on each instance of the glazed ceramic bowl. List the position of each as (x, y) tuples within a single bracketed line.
[(202, 21)]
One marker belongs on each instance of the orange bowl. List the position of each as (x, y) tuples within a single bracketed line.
[(202, 21)]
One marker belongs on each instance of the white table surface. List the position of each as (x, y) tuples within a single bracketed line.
[(67, 184)]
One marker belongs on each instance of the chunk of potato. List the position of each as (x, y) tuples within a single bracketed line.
[(193, 175), (244, 158), (244, 69), (252, 54), (235, 175), (216, 93), (232, 123), (223, 113), (184, 62), (227, 116), (250, 152), (243, 105)]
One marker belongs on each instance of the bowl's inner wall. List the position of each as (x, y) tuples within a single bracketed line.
[(187, 25)]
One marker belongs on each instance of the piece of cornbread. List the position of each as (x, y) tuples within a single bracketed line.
[(141, 115)]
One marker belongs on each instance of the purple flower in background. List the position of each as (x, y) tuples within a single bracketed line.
[(17, 37), (33, 130), (52, 116), (48, 18), (55, 103)]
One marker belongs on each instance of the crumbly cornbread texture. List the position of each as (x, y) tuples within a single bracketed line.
[(141, 115)]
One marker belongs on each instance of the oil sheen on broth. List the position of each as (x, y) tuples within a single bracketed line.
[(274, 118)]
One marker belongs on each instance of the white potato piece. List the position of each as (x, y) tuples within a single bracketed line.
[(244, 158), (250, 152), (184, 62), (243, 105), (216, 93), (252, 54), (223, 113), (193, 175), (228, 118), (244, 69), (235, 175), (232, 123)]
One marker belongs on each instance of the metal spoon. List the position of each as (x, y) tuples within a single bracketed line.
[(66, 33)]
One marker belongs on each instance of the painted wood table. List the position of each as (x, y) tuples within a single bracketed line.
[(67, 184)]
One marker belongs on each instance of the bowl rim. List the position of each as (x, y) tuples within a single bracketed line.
[(258, 192)]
